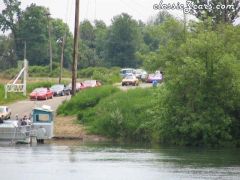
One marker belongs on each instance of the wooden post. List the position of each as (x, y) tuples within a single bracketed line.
[(75, 48), (50, 41), (62, 57), (25, 77)]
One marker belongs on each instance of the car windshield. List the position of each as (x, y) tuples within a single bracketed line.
[(1, 110), (90, 82), (57, 87), (126, 71), (129, 77), (40, 90), (139, 71)]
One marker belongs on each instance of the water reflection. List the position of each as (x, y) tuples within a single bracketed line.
[(63, 160)]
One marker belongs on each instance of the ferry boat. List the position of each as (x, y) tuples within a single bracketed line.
[(39, 127)]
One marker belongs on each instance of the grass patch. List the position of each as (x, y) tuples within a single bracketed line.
[(113, 113), (124, 115), (86, 99)]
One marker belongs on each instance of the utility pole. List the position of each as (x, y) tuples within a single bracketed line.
[(25, 50), (50, 41), (185, 24), (75, 48), (62, 57)]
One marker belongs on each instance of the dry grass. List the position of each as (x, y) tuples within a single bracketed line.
[(65, 127), (68, 128)]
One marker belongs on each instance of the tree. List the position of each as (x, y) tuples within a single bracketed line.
[(225, 11), (101, 32), (87, 33), (61, 30), (34, 30), (7, 56), (162, 41), (9, 18), (160, 18), (200, 100), (122, 41)]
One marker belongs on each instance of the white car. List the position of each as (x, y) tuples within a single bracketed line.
[(141, 74), (5, 112)]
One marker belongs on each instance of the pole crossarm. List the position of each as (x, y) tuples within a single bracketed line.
[(19, 75)]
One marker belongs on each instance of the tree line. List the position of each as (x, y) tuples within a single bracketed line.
[(123, 43)]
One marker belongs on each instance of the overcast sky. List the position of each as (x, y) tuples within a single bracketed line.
[(101, 9)]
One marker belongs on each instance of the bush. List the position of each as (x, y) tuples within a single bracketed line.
[(124, 115), (105, 75), (85, 99)]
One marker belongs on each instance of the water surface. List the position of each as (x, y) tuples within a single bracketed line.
[(64, 160)]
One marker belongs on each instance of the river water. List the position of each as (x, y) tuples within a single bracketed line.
[(68, 160)]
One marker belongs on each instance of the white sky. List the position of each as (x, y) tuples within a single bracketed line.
[(101, 9)]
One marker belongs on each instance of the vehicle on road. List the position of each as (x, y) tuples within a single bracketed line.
[(79, 86), (60, 90), (41, 94), (130, 80), (126, 72), (141, 74), (91, 83), (5, 112), (155, 77)]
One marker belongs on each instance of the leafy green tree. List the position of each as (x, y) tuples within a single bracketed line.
[(220, 11), (61, 30), (200, 101), (162, 41), (122, 42), (33, 28), (87, 33), (7, 55), (9, 18), (160, 18), (101, 32)]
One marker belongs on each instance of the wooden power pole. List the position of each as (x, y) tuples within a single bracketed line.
[(62, 57), (75, 48), (50, 41)]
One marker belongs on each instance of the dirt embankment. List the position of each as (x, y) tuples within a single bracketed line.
[(67, 128)]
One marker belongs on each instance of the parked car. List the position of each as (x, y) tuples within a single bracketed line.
[(141, 74), (41, 94), (155, 77), (60, 90), (130, 80), (91, 83), (79, 86), (5, 112), (127, 71)]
